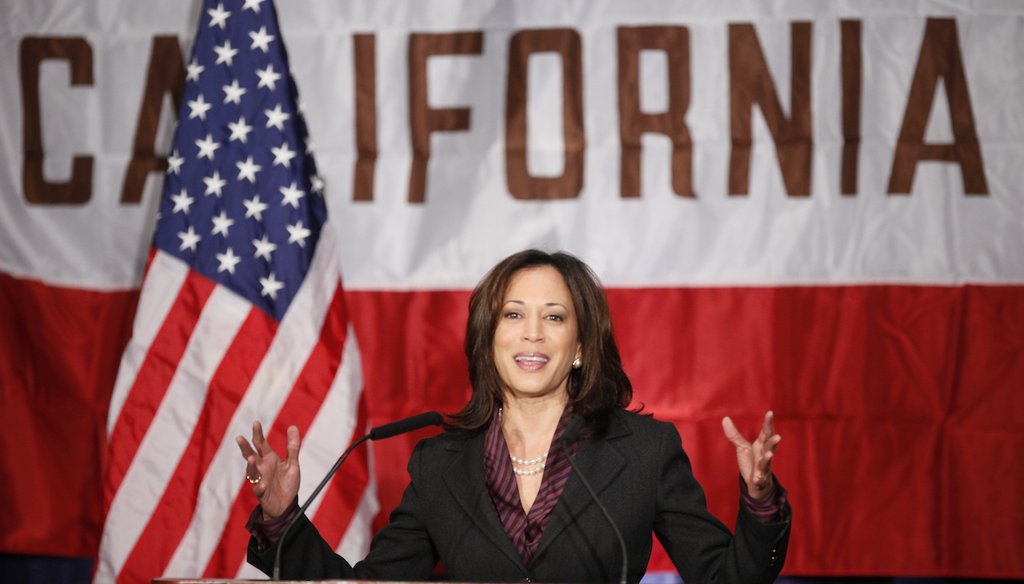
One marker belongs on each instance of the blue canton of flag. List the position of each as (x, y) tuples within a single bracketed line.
[(242, 201)]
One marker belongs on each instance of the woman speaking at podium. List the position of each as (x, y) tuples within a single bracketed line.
[(495, 497)]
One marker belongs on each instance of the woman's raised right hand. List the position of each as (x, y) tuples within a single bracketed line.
[(275, 481)]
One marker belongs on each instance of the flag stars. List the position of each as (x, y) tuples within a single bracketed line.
[(248, 169), (198, 108), (249, 123), (260, 39), (317, 184), (182, 202), (253, 5), (298, 234), (292, 195), (214, 184), (239, 130), (276, 118), (264, 247), (233, 93), (218, 16), (194, 69), (283, 155), (189, 239), (254, 208), (207, 146), (270, 286), (268, 78), (174, 163), (221, 224), (228, 260), (225, 54)]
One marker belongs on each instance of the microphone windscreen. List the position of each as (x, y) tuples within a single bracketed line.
[(406, 425)]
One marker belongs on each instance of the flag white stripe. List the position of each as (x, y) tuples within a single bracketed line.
[(166, 276), (332, 428), (169, 433)]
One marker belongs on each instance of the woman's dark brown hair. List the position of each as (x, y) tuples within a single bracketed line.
[(595, 389)]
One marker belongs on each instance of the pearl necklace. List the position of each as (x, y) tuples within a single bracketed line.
[(530, 461), (526, 473), (537, 460)]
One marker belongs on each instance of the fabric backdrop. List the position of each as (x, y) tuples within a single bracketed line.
[(805, 206)]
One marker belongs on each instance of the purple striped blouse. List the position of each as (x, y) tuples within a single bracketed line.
[(525, 529)]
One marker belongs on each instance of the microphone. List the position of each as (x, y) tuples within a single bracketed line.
[(571, 433), (406, 425), (379, 433)]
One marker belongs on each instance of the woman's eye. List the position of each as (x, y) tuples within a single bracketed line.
[(512, 314), (556, 317)]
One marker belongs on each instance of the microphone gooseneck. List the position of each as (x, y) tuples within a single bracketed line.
[(380, 432), (571, 433)]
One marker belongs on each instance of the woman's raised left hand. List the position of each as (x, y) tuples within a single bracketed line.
[(755, 459)]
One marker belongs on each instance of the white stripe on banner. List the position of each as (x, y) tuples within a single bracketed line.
[(164, 281), (171, 429), (934, 231)]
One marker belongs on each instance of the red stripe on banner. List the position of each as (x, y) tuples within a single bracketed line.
[(413, 362), (980, 437), (172, 516), (899, 407), (342, 495), (60, 348), (153, 378), (303, 402)]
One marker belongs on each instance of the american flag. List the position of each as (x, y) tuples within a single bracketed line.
[(241, 317)]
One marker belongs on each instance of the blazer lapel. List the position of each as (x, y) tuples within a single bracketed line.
[(600, 462), (465, 479)]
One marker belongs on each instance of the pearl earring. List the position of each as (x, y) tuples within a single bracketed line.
[(577, 363)]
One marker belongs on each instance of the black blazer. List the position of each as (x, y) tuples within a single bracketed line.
[(638, 469)]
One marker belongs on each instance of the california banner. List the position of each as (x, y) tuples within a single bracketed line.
[(815, 208)]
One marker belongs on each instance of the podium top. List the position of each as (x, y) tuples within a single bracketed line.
[(243, 581)]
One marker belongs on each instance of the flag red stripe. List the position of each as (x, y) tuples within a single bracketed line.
[(301, 406), (170, 520), (153, 379)]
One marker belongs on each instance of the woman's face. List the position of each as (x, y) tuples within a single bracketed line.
[(536, 339)]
